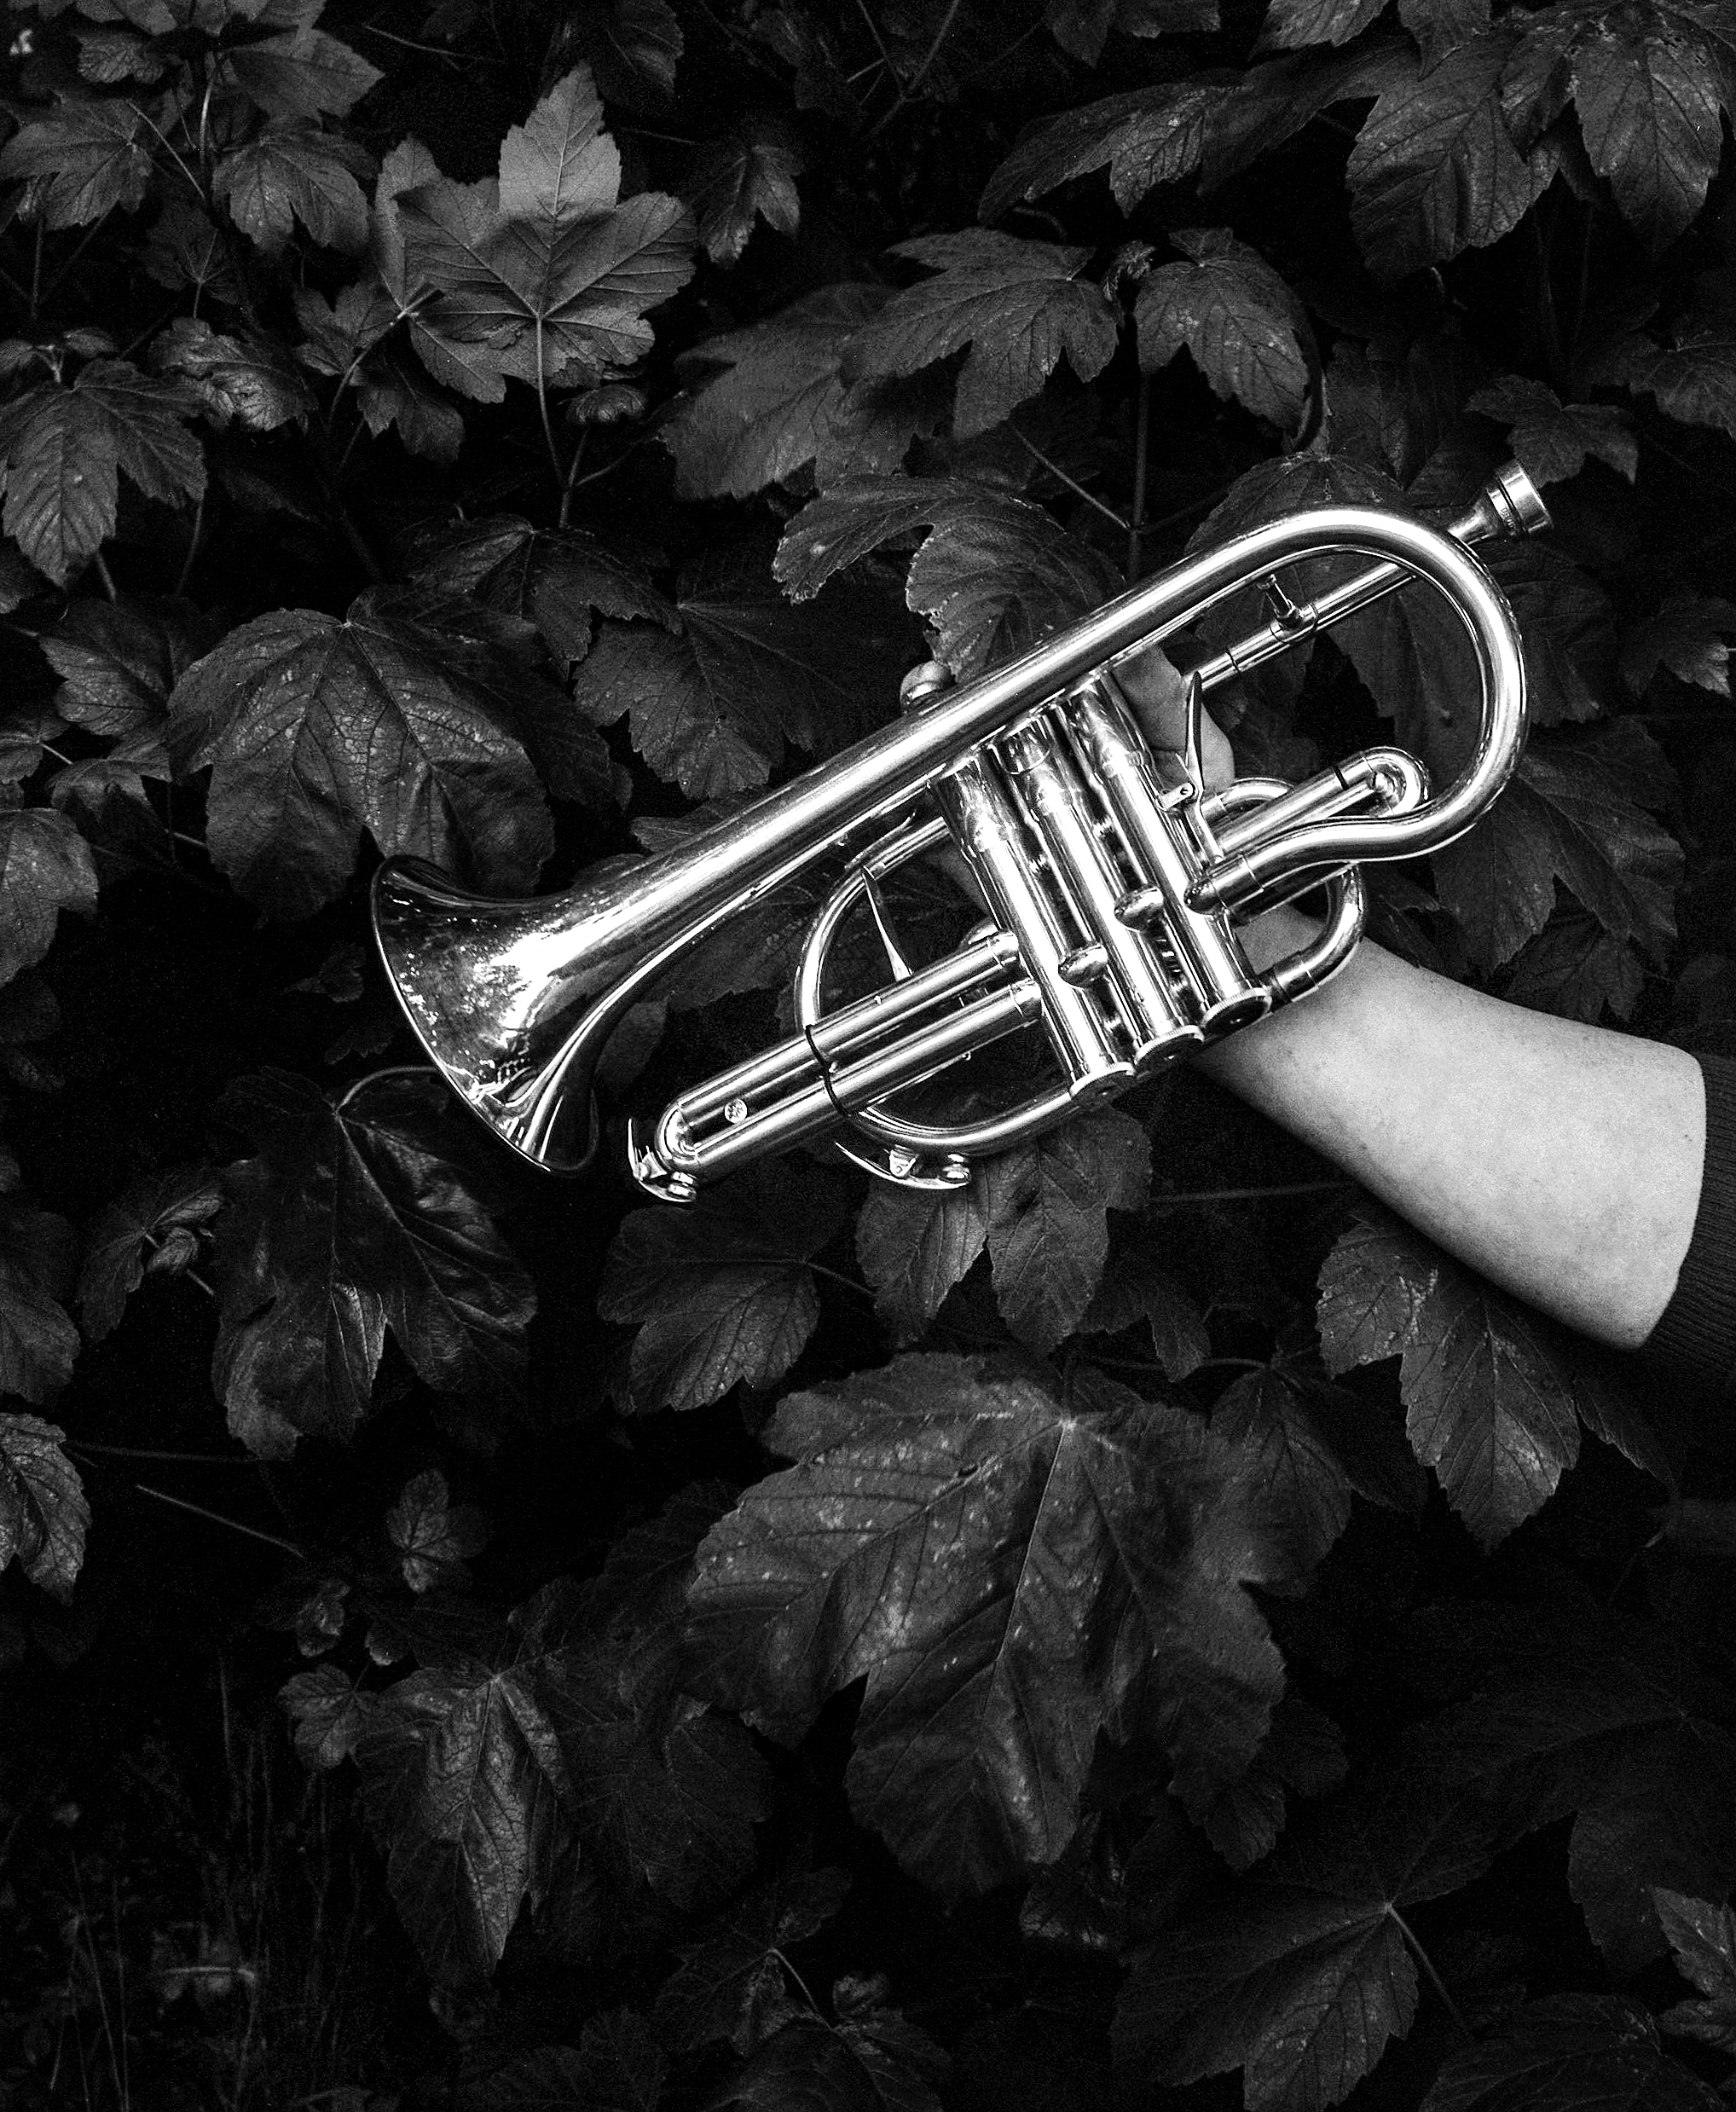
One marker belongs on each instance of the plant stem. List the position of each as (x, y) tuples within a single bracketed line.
[(917, 79), (217, 1517), (193, 541), (1427, 1963), (561, 483), (1055, 471), (35, 271), (105, 575), (144, 1452), (1142, 438), (1251, 1195), (389, 1070), (566, 496)]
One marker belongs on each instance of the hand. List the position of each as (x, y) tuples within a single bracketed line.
[(1159, 696)]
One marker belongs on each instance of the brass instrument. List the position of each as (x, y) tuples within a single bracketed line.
[(1115, 885)]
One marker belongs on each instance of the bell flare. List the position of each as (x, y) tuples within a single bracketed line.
[(477, 979)]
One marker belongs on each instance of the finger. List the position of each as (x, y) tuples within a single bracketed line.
[(1159, 696)]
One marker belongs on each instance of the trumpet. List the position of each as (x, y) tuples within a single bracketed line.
[(1115, 884)]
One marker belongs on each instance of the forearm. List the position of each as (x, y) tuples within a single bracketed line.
[(1559, 1160)]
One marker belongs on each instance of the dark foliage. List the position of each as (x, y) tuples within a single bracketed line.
[(1142, 1627)]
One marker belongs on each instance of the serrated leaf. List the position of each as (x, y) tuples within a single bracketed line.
[(38, 1343), (1488, 1405), (1702, 1939), (713, 706), (1289, 1453), (1441, 25), (1567, 630), (1083, 27), (82, 161), (780, 403), (1150, 137), (1048, 1231), (991, 576), (731, 1981), (303, 73), (1292, 24), (1569, 816), (1273, 102), (1685, 635), (250, 384), (151, 1229), (1083, 1540), (1247, 330), (1577, 2052), (872, 2063), (434, 1537), (555, 581), (1300, 1976), (348, 1222), (1019, 306), (544, 271), (110, 56), (327, 1712), (45, 867), (1304, 1755), (1552, 439), (187, 249), (1692, 378), (722, 1292), (1435, 170), (388, 395), (739, 182), (913, 1248), (634, 48), (617, 2067), (43, 1515), (294, 172), (1576, 970), (118, 659), (403, 719)]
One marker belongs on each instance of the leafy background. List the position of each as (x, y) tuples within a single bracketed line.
[(1144, 1629)]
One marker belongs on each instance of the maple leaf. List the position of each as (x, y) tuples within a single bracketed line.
[(1301, 1973), (871, 2060), (1302, 1755), (723, 1290), (1702, 1939), (617, 2066), (736, 182), (1435, 170), (1040, 1210), (118, 659), (292, 171), (713, 706), (1247, 330), (988, 1678), (546, 274), (152, 1228), (1018, 305), (1272, 102), (1644, 81), (303, 73), (389, 394), (1567, 633), (1292, 24), (554, 580), (1574, 2051), (731, 1981), (1575, 968), (433, 1536), (399, 720), (1552, 439), (1569, 815), (246, 384), (63, 451), (992, 575), (634, 48), (45, 867), (1149, 137), (187, 249), (780, 402), (349, 1221), (1441, 25), (108, 57), (1685, 635), (84, 159), (44, 1516), (1135, 1289)]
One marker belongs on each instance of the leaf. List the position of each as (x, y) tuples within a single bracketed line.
[(873, 2063), (348, 1222), (1018, 305), (118, 659), (304, 73), (235, 382), (554, 580), (37, 1342), (1568, 631), (1553, 439), (63, 452), (152, 1228), (779, 403), (722, 1290), (292, 171), (1048, 1234), (617, 2067), (44, 1516), (398, 720), (428, 424), (1247, 330), (110, 56), (914, 1247), (328, 1714), (736, 182), (1292, 24), (712, 708), (1579, 2052), (1488, 1404), (1299, 1975), (45, 867), (82, 161), (433, 1536), (1149, 137), (1082, 1540), (1303, 1755), (1442, 25), (1686, 636), (544, 272), (1273, 102), (1575, 970), (634, 48), (1702, 1940), (992, 575), (1692, 379), (730, 1983), (1083, 27), (1569, 816), (1434, 169)]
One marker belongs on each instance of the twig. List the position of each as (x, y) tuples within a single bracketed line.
[(105, 575), (1141, 444), (186, 563), (1251, 1194), (566, 497), (140, 1452), (917, 79), (1055, 471), (217, 1517)]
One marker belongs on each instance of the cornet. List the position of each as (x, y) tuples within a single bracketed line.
[(1114, 884)]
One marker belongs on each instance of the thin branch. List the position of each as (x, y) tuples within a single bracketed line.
[(1251, 1194), (1055, 471), (562, 482), (105, 575), (917, 79), (187, 562), (1142, 449), (217, 1517), (141, 1452), (566, 497)]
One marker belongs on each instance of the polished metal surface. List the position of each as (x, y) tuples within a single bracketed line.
[(1113, 885)]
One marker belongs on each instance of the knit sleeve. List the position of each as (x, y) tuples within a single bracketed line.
[(1696, 1337)]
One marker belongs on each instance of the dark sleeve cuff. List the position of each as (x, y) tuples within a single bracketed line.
[(1696, 1337)]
